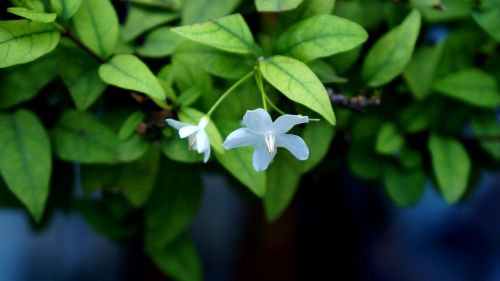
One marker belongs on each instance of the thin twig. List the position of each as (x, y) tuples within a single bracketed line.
[(358, 103), (65, 32)]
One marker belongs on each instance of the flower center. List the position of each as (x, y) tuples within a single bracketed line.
[(271, 143)]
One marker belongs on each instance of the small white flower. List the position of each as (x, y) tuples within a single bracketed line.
[(267, 135), (198, 138)]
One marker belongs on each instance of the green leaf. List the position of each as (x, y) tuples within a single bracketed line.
[(177, 149), (296, 81), (137, 179), (192, 116), (132, 148), (80, 74), (472, 86), (189, 96), (389, 140), (65, 8), (425, 2), (487, 16), (420, 72), (454, 10), (179, 260), (13, 86), (410, 158), (26, 161), (283, 178), (23, 41), (101, 217), (142, 19), (321, 36), (129, 72), (130, 125), (451, 165), (96, 23), (33, 15), (310, 8), (406, 188), (160, 42), (363, 161), (171, 209), (79, 137), (318, 136), (325, 72), (239, 162), (229, 33), (29, 4), (197, 11), (414, 118), (391, 53), (276, 5), (166, 4), (211, 60), (486, 129)]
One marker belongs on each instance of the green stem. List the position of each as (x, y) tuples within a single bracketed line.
[(226, 93), (260, 85), (274, 106)]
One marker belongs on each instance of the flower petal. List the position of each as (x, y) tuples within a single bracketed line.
[(262, 158), (187, 131), (242, 137), (202, 141), (258, 121), (207, 154), (285, 122), (176, 124), (294, 144)]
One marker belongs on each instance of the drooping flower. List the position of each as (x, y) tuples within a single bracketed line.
[(198, 138), (260, 131)]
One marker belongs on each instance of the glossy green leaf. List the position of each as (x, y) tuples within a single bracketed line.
[(177, 149), (65, 8), (80, 74), (79, 137), (325, 72), (29, 4), (214, 61), (406, 188), (389, 140), (13, 86), (486, 128), (320, 36), (33, 15), (137, 179), (297, 82), (197, 11), (318, 137), (172, 207), (192, 116), (472, 86), (23, 41), (487, 16), (229, 33), (96, 23), (141, 19), (160, 42), (283, 179), (276, 5), (391, 53), (130, 125), (132, 148), (26, 161), (420, 72), (179, 259), (451, 165), (129, 72), (310, 8), (166, 4)]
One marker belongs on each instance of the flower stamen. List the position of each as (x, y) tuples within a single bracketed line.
[(271, 143)]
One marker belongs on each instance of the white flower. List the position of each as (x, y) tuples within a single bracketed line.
[(198, 138), (266, 136)]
